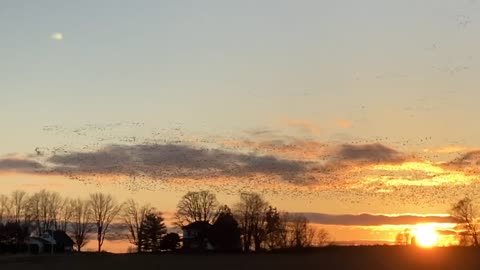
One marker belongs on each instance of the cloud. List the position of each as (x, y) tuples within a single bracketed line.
[(446, 150), (344, 123), (287, 148), (368, 154), (56, 36), (19, 165), (304, 125), (468, 163), (375, 219), (175, 161)]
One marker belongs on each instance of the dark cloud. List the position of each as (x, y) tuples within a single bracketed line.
[(368, 153), (19, 165), (468, 159), (468, 163), (374, 220), (170, 160)]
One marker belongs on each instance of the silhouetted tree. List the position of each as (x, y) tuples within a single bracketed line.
[(18, 204), (300, 235), (152, 230), (275, 229), (170, 242), (13, 235), (403, 238), (134, 216), (104, 209), (322, 238), (5, 208), (250, 212), (196, 206), (65, 215), (224, 234), (81, 222), (43, 209), (465, 214)]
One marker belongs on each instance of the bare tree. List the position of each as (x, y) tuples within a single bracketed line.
[(322, 238), (250, 212), (44, 208), (18, 205), (299, 235), (197, 206), (104, 209), (4, 208), (81, 221), (465, 214), (403, 238), (65, 215), (134, 216)]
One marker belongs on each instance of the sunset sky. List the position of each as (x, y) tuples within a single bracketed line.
[(331, 108)]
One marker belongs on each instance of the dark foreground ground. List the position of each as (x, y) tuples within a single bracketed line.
[(328, 258)]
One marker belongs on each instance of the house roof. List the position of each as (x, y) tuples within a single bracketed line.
[(197, 225), (61, 238)]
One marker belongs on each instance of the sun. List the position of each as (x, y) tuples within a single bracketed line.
[(426, 236)]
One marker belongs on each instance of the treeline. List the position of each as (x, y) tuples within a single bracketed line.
[(251, 224)]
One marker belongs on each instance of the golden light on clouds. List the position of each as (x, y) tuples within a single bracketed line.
[(343, 123), (304, 125), (417, 174), (446, 150), (56, 36)]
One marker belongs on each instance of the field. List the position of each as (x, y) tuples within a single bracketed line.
[(380, 257)]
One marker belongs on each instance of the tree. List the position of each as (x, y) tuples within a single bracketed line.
[(65, 215), (134, 216), (152, 230), (250, 213), (81, 222), (44, 209), (300, 234), (170, 242), (13, 234), (18, 204), (4, 208), (196, 206), (322, 238), (225, 233), (104, 209), (275, 229), (465, 215), (403, 238)]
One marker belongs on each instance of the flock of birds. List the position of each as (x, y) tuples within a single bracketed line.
[(348, 182)]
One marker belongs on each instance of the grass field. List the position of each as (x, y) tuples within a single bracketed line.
[(329, 258)]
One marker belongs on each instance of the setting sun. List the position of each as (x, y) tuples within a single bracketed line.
[(426, 236)]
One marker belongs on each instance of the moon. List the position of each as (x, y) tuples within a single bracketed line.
[(57, 36)]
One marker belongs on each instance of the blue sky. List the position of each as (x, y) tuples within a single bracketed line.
[(240, 64)]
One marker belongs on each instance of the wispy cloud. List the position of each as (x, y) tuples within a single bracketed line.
[(19, 165), (304, 125), (446, 149), (343, 123), (375, 219)]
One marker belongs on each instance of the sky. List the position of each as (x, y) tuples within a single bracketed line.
[(325, 107)]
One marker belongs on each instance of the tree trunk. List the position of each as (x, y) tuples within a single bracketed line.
[(99, 238)]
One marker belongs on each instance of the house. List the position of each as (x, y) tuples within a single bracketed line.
[(50, 242), (195, 236)]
